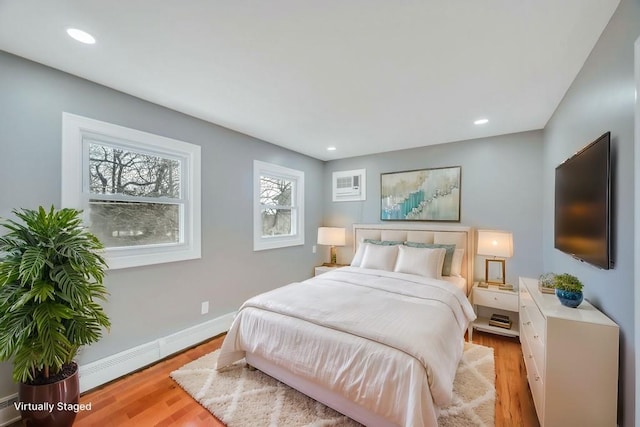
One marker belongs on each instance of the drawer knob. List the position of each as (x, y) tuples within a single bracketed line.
[(527, 323), (537, 377), (536, 336), (531, 356), (524, 306)]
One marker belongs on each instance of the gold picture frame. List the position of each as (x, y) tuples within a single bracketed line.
[(494, 271)]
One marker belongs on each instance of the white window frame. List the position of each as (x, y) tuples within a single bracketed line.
[(297, 215), (75, 189)]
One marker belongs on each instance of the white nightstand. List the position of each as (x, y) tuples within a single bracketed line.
[(326, 268), (492, 300)]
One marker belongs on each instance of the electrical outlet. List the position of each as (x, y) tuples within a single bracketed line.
[(314, 249), (204, 309)]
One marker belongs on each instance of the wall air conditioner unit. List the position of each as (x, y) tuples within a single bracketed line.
[(349, 185)]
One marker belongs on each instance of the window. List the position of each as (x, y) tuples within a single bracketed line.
[(140, 192), (279, 206)]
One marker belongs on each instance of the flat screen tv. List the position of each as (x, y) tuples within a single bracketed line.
[(583, 204)]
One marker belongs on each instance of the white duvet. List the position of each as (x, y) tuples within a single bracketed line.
[(390, 342)]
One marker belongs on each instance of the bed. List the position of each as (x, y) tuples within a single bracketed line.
[(378, 345)]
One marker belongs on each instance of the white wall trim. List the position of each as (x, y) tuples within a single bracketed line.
[(636, 171), (261, 242), (109, 368), (117, 365), (8, 412), (359, 194), (78, 130)]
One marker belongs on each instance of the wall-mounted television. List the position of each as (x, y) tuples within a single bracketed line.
[(583, 204)]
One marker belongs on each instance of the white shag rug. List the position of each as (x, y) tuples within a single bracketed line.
[(241, 397)]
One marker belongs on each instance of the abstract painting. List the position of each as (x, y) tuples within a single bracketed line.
[(421, 195)]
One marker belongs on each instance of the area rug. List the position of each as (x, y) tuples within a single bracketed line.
[(241, 397)]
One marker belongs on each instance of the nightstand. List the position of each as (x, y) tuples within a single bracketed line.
[(326, 268), (492, 300)]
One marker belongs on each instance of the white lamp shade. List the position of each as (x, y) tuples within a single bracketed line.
[(332, 236), (495, 243)]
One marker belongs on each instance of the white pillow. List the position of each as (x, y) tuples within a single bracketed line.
[(425, 262), (379, 257), (456, 262), (357, 258)]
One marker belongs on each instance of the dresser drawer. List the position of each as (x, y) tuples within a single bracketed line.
[(538, 352), (531, 316), (571, 357), (500, 300), (534, 376), (537, 319), (536, 385), (535, 346), (532, 320)]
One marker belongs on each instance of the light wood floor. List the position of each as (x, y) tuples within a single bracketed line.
[(151, 398)]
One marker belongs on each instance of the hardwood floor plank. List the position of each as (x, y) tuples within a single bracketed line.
[(151, 398), (514, 404)]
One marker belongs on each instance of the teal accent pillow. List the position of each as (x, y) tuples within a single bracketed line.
[(448, 255), (383, 242)]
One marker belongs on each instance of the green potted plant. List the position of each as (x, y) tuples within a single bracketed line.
[(51, 274), (568, 290), (546, 283)]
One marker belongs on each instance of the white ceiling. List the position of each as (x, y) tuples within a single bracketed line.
[(365, 76)]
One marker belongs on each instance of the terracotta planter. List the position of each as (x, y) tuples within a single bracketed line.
[(50, 404)]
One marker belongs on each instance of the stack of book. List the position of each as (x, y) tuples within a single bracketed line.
[(500, 320)]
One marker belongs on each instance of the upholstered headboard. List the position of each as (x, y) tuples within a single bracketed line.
[(459, 235)]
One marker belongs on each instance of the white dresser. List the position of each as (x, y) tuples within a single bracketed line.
[(571, 356)]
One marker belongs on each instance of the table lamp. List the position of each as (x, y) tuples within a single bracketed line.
[(496, 244), (331, 236)]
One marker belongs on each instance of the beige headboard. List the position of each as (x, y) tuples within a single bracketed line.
[(459, 235)]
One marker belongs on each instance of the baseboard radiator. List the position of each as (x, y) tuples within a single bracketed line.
[(8, 412), (117, 365)]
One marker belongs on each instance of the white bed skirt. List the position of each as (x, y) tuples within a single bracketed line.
[(319, 393)]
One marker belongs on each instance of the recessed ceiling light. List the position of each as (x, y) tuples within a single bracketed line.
[(332, 148), (481, 121), (81, 36)]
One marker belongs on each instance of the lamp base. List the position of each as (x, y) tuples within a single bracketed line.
[(334, 257)]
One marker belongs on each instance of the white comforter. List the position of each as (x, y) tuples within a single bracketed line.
[(390, 342)]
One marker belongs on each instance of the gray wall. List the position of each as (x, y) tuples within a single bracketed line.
[(501, 189), (154, 301), (602, 99)]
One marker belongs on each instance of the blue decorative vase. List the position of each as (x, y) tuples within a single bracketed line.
[(569, 298)]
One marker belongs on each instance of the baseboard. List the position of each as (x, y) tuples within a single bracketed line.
[(8, 412), (195, 334), (115, 366)]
